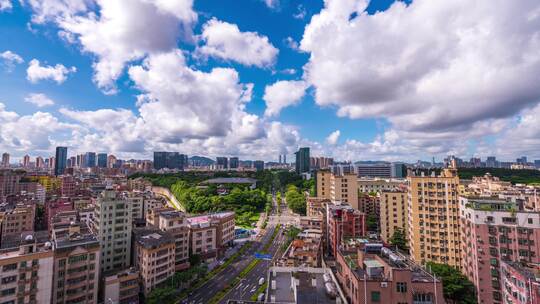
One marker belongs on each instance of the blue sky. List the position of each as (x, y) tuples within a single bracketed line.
[(361, 72)]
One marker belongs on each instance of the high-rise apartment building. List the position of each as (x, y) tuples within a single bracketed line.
[(520, 283), (102, 160), (60, 161), (154, 256), (5, 160), (170, 160), (394, 214), (9, 183), (90, 159), (112, 224), (258, 165), (26, 269), (433, 218), (40, 163), (233, 162), (76, 264), (338, 188), (26, 161), (222, 162), (111, 161), (494, 231), (302, 160)]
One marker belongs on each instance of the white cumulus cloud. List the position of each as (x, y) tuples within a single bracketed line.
[(39, 99), (225, 41), (5, 5), (282, 94), (121, 31), (58, 73), (10, 59), (430, 66), (333, 138)]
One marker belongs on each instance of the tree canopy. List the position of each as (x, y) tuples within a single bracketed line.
[(456, 287), (399, 239), (295, 200)]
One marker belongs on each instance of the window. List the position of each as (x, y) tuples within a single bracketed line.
[(375, 296), (401, 287), (7, 292), (9, 267)]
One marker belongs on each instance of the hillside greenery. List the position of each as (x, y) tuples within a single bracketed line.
[(509, 175)]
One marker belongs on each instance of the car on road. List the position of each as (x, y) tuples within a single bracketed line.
[(261, 281)]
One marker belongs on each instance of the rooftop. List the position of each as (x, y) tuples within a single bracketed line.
[(151, 238)]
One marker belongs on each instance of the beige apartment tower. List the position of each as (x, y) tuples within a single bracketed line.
[(342, 188), (393, 214), (433, 220)]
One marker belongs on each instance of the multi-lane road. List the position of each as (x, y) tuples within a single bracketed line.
[(249, 284)]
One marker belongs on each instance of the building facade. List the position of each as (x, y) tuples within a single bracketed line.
[(433, 218), (60, 160), (112, 225), (495, 231), (394, 214)]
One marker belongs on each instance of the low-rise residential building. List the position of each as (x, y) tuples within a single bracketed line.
[(343, 222), (122, 287), (154, 256), (176, 224), (292, 285), (316, 206), (16, 219), (305, 250), (76, 264), (26, 269), (493, 231), (393, 213), (54, 207), (374, 274), (203, 237)]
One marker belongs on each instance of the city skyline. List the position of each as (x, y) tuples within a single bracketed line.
[(304, 78)]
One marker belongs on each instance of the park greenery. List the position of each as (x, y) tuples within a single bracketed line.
[(296, 201), (180, 280), (456, 287)]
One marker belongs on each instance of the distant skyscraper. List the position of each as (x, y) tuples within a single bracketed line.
[(233, 162), (5, 160), (60, 160), (73, 161), (169, 160), (491, 162), (284, 158), (222, 162), (302, 160), (522, 160), (40, 163), (280, 158), (102, 160), (258, 165), (111, 161), (537, 163), (90, 158), (26, 161)]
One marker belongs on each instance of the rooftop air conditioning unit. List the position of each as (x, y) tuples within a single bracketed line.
[(384, 284)]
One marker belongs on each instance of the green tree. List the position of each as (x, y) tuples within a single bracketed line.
[(295, 200), (372, 222), (399, 239), (161, 295), (456, 287)]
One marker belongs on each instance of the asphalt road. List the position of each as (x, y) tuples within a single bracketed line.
[(203, 294), (248, 286)]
